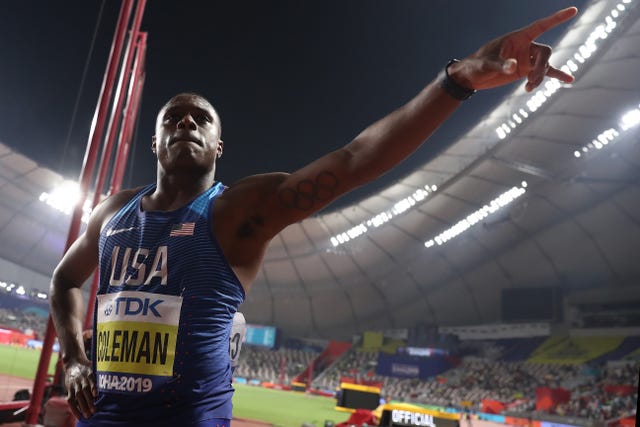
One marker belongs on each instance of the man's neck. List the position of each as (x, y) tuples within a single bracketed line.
[(176, 190)]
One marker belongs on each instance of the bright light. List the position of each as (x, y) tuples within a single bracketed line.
[(475, 217), (21, 290), (378, 220), (599, 142), (65, 197), (630, 119)]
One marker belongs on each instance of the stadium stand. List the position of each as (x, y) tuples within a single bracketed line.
[(274, 366)]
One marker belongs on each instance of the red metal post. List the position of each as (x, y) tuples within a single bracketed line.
[(91, 153), (310, 378), (125, 73), (133, 106)]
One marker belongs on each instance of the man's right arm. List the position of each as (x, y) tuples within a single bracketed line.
[(67, 312), (67, 306)]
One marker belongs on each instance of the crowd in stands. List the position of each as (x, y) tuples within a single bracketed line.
[(476, 379), (25, 322), (592, 399), (274, 366)]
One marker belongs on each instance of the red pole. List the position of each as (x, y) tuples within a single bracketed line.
[(310, 378), (91, 153), (133, 106), (116, 111), (105, 157)]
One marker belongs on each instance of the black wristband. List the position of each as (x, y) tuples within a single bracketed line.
[(452, 88)]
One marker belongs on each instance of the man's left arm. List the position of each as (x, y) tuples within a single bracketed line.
[(288, 198)]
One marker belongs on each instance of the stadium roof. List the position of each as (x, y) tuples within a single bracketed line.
[(564, 162)]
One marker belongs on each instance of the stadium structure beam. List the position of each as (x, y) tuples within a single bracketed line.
[(131, 114), (116, 110)]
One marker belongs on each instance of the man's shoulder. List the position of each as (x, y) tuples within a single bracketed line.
[(113, 203)]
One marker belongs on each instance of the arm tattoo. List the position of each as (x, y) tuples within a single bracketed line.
[(309, 191)]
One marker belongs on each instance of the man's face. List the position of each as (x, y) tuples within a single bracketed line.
[(187, 134)]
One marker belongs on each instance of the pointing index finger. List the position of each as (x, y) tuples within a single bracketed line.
[(535, 29)]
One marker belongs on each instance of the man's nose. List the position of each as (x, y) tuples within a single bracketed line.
[(187, 122)]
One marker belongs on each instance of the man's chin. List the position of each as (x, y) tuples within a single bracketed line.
[(188, 164)]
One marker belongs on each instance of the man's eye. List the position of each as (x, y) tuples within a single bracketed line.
[(201, 118)]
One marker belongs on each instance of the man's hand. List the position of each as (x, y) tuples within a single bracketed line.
[(513, 56), (81, 386)]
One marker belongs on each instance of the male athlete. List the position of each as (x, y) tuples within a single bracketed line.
[(177, 257)]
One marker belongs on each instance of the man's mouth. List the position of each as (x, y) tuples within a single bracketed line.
[(185, 139)]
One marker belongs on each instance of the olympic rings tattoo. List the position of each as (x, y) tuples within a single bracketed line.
[(307, 192)]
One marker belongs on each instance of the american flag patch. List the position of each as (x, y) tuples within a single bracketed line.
[(184, 229)]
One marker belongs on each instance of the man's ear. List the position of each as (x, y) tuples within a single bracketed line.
[(153, 144), (219, 148)]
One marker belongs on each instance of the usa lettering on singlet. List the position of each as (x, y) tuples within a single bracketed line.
[(167, 296)]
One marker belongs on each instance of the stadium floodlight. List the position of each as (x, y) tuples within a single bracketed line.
[(475, 217), (630, 119), (20, 290), (65, 197), (608, 136), (383, 217)]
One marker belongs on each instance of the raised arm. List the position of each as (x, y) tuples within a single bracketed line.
[(287, 198)]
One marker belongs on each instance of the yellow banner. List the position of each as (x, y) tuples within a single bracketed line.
[(136, 348), (574, 350)]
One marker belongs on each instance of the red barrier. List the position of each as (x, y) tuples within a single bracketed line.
[(518, 422), (548, 398), (14, 337), (492, 406), (620, 389), (628, 422), (360, 417)]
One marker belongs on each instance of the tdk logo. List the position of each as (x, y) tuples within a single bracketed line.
[(131, 306)]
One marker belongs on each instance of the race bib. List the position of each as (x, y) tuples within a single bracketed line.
[(136, 340), (236, 338)]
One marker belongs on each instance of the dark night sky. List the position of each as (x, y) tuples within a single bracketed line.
[(291, 80)]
